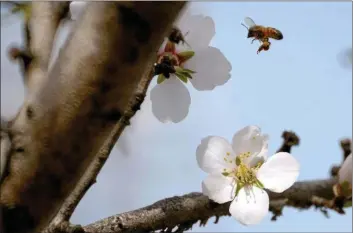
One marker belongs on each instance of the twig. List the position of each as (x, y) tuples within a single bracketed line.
[(289, 139), (61, 128)]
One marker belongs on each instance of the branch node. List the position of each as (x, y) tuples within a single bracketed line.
[(290, 139), (23, 55), (216, 220), (64, 227), (346, 145), (323, 204)]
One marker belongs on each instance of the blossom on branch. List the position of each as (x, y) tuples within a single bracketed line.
[(240, 171), (179, 62)]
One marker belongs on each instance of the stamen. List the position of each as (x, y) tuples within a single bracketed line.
[(165, 64)]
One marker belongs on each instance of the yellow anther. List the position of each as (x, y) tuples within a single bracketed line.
[(244, 174), (228, 153)]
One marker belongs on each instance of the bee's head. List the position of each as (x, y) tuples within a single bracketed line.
[(255, 32), (251, 33)]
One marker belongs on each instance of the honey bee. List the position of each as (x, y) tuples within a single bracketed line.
[(176, 36), (262, 34)]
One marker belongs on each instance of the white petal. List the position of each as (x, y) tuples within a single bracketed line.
[(198, 30), (211, 152), (279, 172), (170, 100), (76, 9), (219, 188), (250, 206), (262, 156), (212, 69), (249, 139), (345, 172)]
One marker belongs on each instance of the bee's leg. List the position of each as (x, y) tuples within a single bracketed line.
[(260, 49), (253, 40)]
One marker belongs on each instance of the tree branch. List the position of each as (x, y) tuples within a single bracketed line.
[(41, 22), (89, 178), (184, 211), (61, 128)]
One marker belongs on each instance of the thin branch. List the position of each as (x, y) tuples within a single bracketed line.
[(194, 207), (43, 25), (290, 139), (41, 22), (61, 128)]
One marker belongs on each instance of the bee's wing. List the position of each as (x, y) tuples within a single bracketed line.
[(249, 22)]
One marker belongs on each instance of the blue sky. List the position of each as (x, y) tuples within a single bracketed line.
[(297, 85)]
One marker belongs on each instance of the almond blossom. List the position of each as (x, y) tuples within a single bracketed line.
[(193, 60), (239, 172)]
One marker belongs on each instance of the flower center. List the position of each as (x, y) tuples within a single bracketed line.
[(242, 173), (165, 64), (171, 62)]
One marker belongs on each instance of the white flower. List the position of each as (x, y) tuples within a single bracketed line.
[(238, 172), (195, 61)]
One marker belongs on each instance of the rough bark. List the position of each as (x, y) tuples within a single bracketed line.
[(89, 178), (182, 212), (62, 126)]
